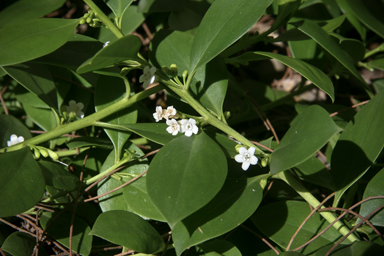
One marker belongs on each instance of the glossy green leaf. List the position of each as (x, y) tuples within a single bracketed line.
[(291, 254), (210, 85), (185, 20), (43, 37), (118, 6), (131, 20), (219, 247), (27, 10), (236, 201), (11, 125), (313, 74), (126, 48), (361, 12), (359, 248), (108, 91), (180, 180), (286, 9), (180, 44), (314, 171), (89, 141), (19, 244), (358, 146), (346, 8), (56, 176), (374, 188), (314, 31), (36, 109), (73, 53), (376, 64), (21, 181), (151, 6), (223, 24), (309, 133), (280, 220), (129, 230), (156, 132), (36, 79), (59, 229)]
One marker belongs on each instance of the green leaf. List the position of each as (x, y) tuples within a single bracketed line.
[(358, 146), (151, 6), (313, 74), (89, 141), (10, 125), (56, 176), (374, 188), (359, 248), (171, 47), (118, 6), (27, 10), (129, 230), (280, 220), (237, 200), (309, 133), (108, 91), (286, 9), (156, 132), (314, 171), (19, 244), (125, 48), (59, 225), (345, 8), (318, 34), (223, 24), (361, 12), (182, 178), (73, 53), (37, 79), (210, 85), (27, 40), (36, 109), (21, 181), (219, 247)]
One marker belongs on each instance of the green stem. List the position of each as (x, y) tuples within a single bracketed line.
[(109, 170), (212, 120), (380, 48), (304, 193), (86, 121), (107, 22), (71, 152)]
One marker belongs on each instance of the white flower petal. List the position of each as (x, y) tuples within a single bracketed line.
[(245, 165), (188, 133), (252, 150), (195, 129), (254, 160), (242, 150), (239, 158), (152, 70)]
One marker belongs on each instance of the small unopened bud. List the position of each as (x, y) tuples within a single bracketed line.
[(53, 155), (43, 152), (173, 69), (264, 162), (185, 74), (82, 21), (37, 154), (237, 147)]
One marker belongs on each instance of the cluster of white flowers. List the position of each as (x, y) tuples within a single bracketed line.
[(148, 76), (14, 140), (188, 127), (246, 156)]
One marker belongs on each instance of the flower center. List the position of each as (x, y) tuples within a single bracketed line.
[(189, 126), (247, 156)]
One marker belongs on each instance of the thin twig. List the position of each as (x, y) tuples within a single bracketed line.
[(115, 189), (2, 100), (262, 238), (261, 145), (147, 31), (353, 106), (166, 245), (307, 218), (16, 227)]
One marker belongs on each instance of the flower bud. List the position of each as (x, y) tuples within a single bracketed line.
[(43, 152), (36, 153), (53, 155), (173, 69), (237, 147), (264, 162)]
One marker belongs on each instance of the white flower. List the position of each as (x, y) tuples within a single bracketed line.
[(74, 109), (158, 115), (106, 44), (246, 157), (169, 113), (148, 76), (173, 127), (189, 126), (14, 140)]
